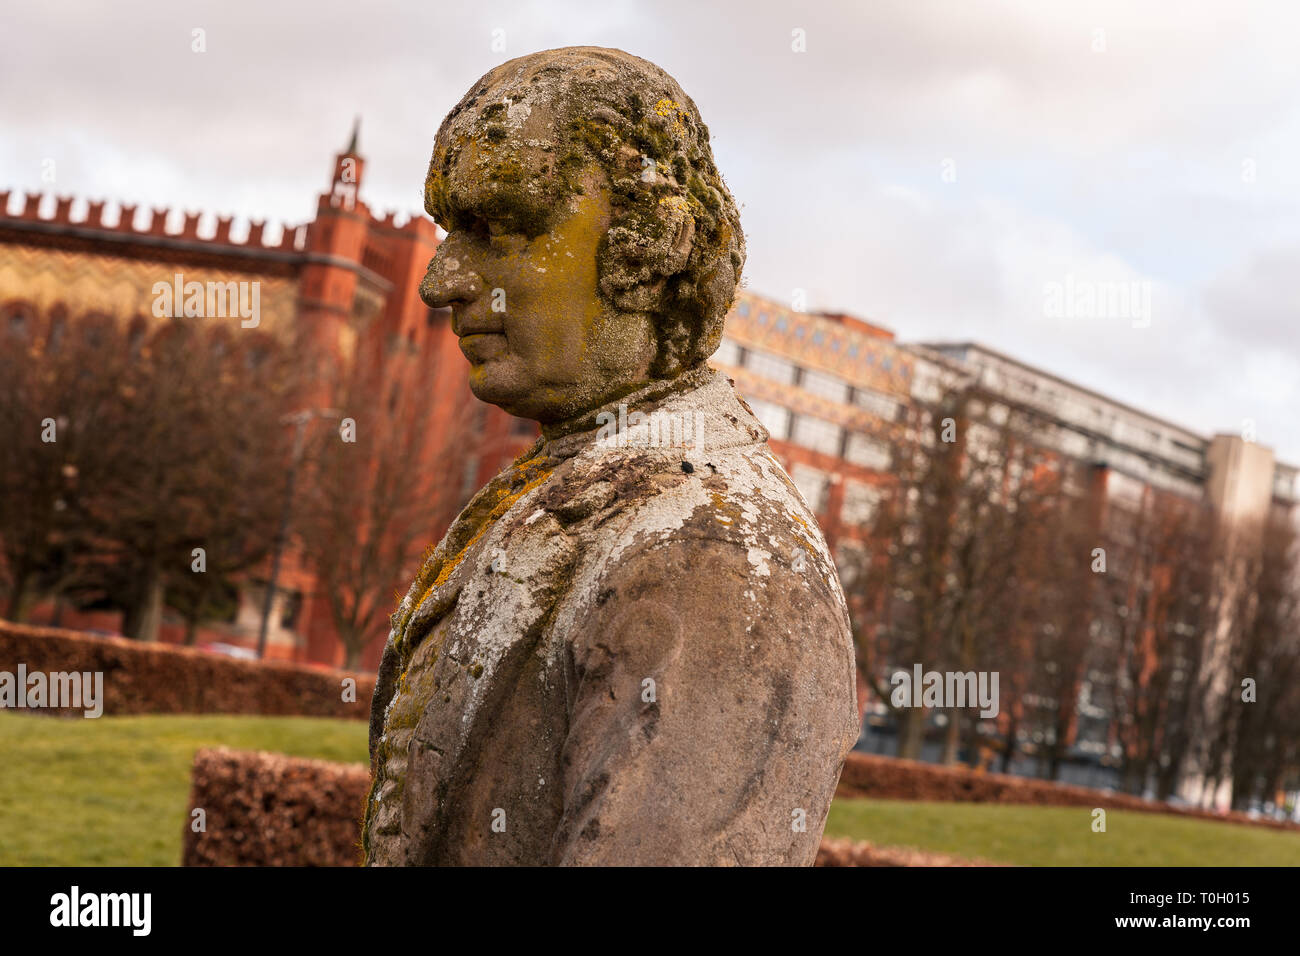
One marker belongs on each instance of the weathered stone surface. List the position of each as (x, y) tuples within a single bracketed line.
[(522, 689), (631, 646)]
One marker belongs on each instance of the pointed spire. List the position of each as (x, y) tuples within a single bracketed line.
[(352, 144)]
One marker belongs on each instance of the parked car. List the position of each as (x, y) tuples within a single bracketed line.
[(232, 650)]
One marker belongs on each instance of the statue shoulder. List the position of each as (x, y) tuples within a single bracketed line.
[(734, 528)]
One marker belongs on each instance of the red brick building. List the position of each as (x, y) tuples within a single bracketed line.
[(341, 285)]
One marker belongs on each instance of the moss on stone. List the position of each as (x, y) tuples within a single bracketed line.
[(595, 100)]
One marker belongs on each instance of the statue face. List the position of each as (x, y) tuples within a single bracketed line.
[(522, 286)]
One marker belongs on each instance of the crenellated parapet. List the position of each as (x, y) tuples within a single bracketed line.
[(411, 225), (120, 220), (128, 221)]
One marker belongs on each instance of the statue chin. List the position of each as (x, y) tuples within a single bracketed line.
[(492, 383), (489, 385)]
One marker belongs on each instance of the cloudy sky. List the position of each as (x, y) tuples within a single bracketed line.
[(937, 166)]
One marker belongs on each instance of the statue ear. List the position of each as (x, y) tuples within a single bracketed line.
[(682, 231), (681, 248)]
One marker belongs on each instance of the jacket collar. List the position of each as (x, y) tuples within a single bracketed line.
[(701, 401)]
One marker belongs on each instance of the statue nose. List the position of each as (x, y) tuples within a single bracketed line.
[(449, 281)]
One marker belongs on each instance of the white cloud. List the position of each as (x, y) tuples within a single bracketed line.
[(1127, 163)]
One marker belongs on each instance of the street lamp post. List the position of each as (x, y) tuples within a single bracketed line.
[(299, 420)]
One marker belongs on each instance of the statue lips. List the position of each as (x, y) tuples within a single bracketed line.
[(480, 341)]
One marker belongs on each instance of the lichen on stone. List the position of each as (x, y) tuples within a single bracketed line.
[(674, 249)]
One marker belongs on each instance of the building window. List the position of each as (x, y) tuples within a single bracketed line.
[(851, 560), (55, 343), (773, 417), (926, 388), (982, 441), (866, 451), (18, 325), (729, 353), (817, 434), (1074, 444), (860, 501), (769, 366), (882, 406), (813, 484), (290, 607), (827, 386), (1120, 487)]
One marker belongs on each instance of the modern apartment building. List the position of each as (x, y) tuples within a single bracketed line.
[(835, 392), (1235, 474)]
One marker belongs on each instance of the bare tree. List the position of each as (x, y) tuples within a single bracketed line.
[(145, 458), (1064, 618), (1261, 697), (1159, 571), (955, 587), (58, 388), (200, 406), (377, 492)]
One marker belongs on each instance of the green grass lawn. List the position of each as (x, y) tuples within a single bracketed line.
[(1061, 836), (115, 791)]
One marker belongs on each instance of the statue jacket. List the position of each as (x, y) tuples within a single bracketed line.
[(631, 647)]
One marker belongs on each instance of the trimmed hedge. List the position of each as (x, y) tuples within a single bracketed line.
[(888, 778), (837, 851), (263, 809), (157, 678)]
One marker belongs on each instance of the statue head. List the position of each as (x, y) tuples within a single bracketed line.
[(592, 246)]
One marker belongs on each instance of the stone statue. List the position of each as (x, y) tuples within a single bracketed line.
[(631, 647)]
